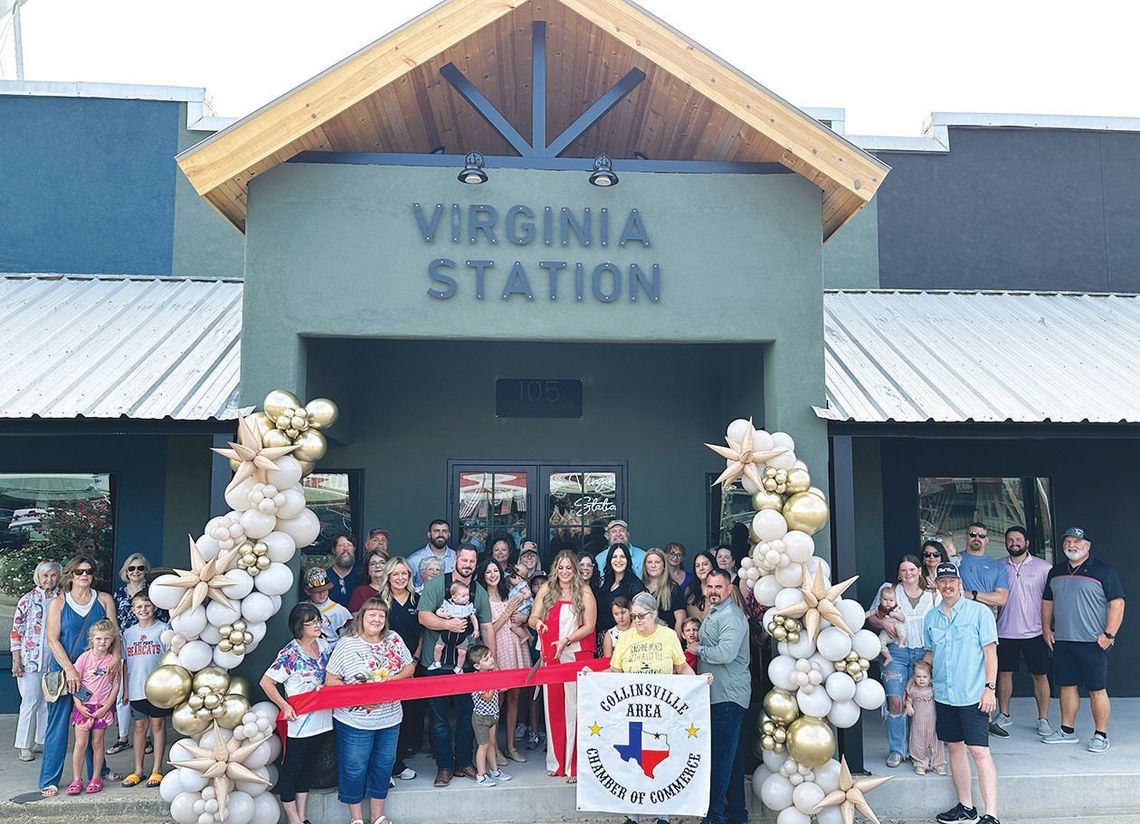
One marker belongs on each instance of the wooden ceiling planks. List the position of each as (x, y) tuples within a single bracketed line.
[(689, 107)]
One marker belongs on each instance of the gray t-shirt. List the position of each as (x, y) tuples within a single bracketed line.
[(1080, 597), (142, 649)]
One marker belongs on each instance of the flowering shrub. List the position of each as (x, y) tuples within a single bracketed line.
[(65, 531)]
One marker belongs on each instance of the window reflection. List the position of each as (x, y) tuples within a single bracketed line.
[(492, 504), (948, 505), (328, 494), (580, 506)]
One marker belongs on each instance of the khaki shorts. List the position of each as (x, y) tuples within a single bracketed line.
[(482, 724)]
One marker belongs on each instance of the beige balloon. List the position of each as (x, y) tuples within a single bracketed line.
[(189, 722), (815, 490), (322, 413), (169, 657), (277, 401), (767, 500), (215, 678), (311, 446), (167, 686), (781, 706), (806, 512), (811, 741), (799, 481), (233, 707)]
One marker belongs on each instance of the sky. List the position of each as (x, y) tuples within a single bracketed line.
[(888, 63)]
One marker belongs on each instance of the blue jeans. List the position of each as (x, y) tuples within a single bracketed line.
[(895, 677), (726, 778), (55, 743), (452, 752), (364, 761)]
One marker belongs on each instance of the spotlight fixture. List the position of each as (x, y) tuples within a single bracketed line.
[(440, 149), (603, 174), (473, 169), (640, 156)]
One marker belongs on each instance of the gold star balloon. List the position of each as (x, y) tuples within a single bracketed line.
[(253, 456), (851, 795), (818, 603), (222, 763), (203, 579), (743, 460)]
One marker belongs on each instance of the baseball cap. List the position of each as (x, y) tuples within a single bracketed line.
[(374, 532), (528, 547), (1076, 532), (315, 579), (947, 570), (618, 522)]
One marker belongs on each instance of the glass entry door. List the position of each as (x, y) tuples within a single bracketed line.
[(488, 501), (579, 502)]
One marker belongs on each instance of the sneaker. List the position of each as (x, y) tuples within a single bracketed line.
[(1002, 720), (1060, 737), (998, 731), (988, 819), (920, 770), (940, 769), (1044, 728), (532, 740), (485, 781), (26, 754), (520, 732), (958, 813), (391, 782), (1098, 743), (407, 775), (894, 758), (499, 775), (434, 665)]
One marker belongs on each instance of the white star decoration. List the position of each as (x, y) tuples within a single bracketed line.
[(818, 603), (743, 459), (253, 456), (851, 795), (222, 763), (203, 579)]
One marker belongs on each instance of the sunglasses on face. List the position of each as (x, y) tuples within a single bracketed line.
[(84, 571), (977, 534), (932, 555), (136, 569)]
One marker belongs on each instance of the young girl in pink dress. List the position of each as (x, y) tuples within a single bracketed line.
[(94, 699), (925, 749)]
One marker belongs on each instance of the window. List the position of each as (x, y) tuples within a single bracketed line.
[(580, 505), (493, 503), (331, 496), (52, 517), (946, 506)]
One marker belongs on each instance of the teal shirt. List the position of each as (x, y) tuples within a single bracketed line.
[(723, 651), (432, 598), (957, 643)]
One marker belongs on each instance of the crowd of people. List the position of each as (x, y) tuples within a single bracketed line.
[(954, 629)]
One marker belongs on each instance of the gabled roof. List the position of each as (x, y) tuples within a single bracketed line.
[(961, 357), (109, 347), (390, 97)]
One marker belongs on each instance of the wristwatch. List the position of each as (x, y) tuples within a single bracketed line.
[(991, 686), (973, 594), (1110, 636)]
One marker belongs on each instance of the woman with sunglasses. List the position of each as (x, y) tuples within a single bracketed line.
[(70, 617), (915, 597), (933, 553), (133, 575)]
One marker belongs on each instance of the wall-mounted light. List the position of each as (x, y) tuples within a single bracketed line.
[(473, 169), (603, 174)]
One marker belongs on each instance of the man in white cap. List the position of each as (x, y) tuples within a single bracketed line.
[(617, 532)]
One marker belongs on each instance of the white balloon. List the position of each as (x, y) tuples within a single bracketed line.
[(257, 524), (776, 792), (189, 624), (738, 429), (867, 644), (804, 648), (782, 440), (210, 634), (266, 810), (840, 686), (261, 756), (218, 614), (761, 440), (814, 563), (788, 597), (806, 796), (294, 503), (167, 636), (795, 779), (275, 579), (815, 702), (766, 589), (279, 547), (177, 642), (239, 808), (798, 546), (749, 487), (853, 614), (843, 714), (164, 596), (276, 599), (257, 630), (827, 776), (199, 808), (206, 741), (790, 575), (238, 496), (272, 775), (195, 655), (182, 808), (869, 694), (774, 760), (267, 710), (287, 473), (780, 671), (825, 667), (830, 815), (207, 547), (171, 785), (256, 607), (303, 529), (274, 749), (242, 584), (833, 643), (179, 752), (252, 788), (790, 815), (768, 525)]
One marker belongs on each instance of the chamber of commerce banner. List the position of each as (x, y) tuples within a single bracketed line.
[(643, 744)]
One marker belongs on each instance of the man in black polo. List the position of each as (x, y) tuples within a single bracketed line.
[(1081, 611)]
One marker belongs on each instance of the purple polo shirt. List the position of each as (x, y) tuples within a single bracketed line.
[(1021, 615)]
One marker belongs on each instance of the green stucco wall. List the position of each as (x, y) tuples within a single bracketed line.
[(851, 256)]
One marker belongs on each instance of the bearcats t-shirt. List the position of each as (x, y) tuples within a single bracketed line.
[(142, 649), (656, 653)]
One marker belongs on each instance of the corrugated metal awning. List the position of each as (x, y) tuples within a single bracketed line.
[(954, 357), (109, 347)]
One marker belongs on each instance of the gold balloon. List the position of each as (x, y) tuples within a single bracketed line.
[(311, 446), (781, 706), (306, 467), (168, 686), (764, 499), (799, 481), (196, 702), (275, 437), (239, 685), (169, 657), (212, 700), (233, 707), (277, 401), (758, 748), (215, 679), (188, 722), (322, 413), (805, 512), (811, 741), (815, 490), (767, 742)]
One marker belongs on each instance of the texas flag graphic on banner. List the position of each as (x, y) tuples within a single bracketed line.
[(643, 744)]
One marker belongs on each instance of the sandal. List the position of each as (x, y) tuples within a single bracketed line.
[(75, 787), (573, 779), (132, 779), (50, 791), (96, 786), (516, 756), (382, 819), (154, 780)]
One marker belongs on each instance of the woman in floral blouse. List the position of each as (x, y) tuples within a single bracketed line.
[(299, 667), (366, 735), (133, 574), (28, 662)]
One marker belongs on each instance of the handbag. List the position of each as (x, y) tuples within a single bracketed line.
[(54, 684)]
